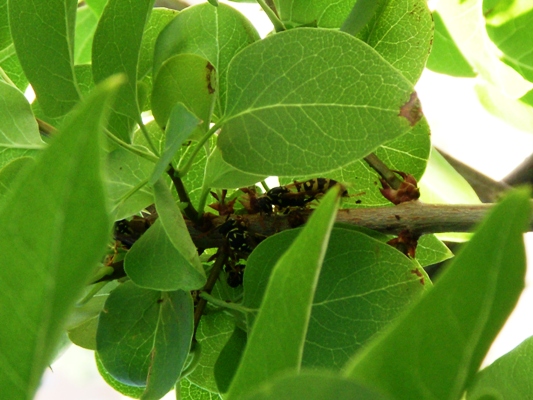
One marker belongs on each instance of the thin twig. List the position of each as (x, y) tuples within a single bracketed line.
[(189, 210), (377, 165), (209, 285)]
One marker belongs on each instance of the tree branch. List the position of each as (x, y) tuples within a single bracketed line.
[(418, 218)]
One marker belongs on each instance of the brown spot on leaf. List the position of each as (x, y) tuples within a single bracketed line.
[(210, 77), (412, 110), (419, 274)]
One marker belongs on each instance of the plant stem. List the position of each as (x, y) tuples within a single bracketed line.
[(183, 171), (209, 285), (225, 304), (278, 25), (135, 150), (189, 210), (146, 135), (377, 165)]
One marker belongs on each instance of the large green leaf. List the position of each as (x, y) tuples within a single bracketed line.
[(116, 46), (9, 174), (144, 337), (49, 247), (316, 106), (509, 27), (509, 377), (86, 21), (5, 33), (313, 385), (190, 391), (10, 63), (43, 33), (277, 340), (402, 32), (435, 349), (351, 304), (19, 134), (214, 33)]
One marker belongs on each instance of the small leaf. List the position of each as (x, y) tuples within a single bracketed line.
[(282, 323), (214, 33), (19, 134), (153, 262), (445, 56), (320, 108), (187, 79), (509, 377), (51, 245), (313, 385), (415, 358), (219, 174), (144, 337), (180, 126), (175, 227), (116, 46), (43, 33)]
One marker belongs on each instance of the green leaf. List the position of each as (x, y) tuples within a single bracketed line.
[(10, 63), (176, 229), (350, 304), (187, 79), (466, 25), (508, 24), (509, 377), (467, 307), (219, 174), (130, 391), (313, 385), (408, 153), (86, 21), (144, 337), (214, 33), (5, 33), (125, 173), (153, 262), (51, 245), (190, 391), (322, 13), (282, 322), (402, 32), (430, 250), (180, 126), (116, 46), (442, 184), (84, 335), (19, 134), (214, 330), (228, 361), (9, 174), (97, 6), (306, 118), (43, 34), (445, 56), (361, 14)]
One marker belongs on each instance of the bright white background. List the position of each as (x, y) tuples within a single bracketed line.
[(459, 125)]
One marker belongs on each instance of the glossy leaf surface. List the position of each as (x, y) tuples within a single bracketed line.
[(417, 359), (315, 108), (51, 245)]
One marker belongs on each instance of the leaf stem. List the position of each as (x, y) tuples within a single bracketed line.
[(135, 150), (379, 166), (183, 171), (146, 135), (272, 15), (222, 256), (224, 304), (189, 210)]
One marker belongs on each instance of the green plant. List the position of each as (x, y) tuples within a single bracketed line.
[(105, 234)]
